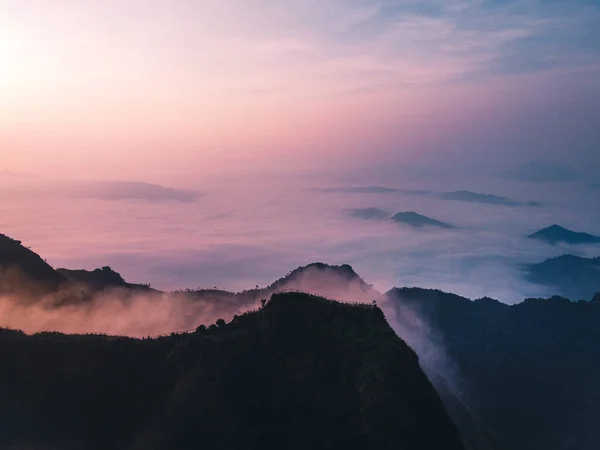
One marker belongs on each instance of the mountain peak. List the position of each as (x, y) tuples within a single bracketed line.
[(98, 278), (417, 220), (555, 234), (328, 280)]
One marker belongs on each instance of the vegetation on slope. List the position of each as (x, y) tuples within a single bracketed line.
[(530, 371), (302, 372)]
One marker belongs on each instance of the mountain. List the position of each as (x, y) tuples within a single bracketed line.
[(369, 213), (475, 435), (556, 234), (259, 382), (541, 172), (23, 271), (568, 275), (528, 373), (98, 279), (490, 199), (416, 220), (335, 282), (521, 377)]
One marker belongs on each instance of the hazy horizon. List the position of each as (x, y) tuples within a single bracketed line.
[(236, 233), (244, 115)]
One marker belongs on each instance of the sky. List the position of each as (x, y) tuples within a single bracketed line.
[(192, 143), (143, 88)]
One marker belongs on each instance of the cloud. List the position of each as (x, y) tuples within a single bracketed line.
[(100, 190), (361, 190), (129, 190), (490, 199), (365, 45), (118, 313), (542, 172), (462, 195), (246, 232)]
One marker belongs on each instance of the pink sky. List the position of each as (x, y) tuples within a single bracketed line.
[(112, 88)]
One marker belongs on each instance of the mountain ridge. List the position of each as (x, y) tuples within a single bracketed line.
[(527, 371), (417, 220), (172, 392), (568, 275), (555, 234)]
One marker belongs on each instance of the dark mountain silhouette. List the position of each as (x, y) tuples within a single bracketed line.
[(99, 278), (490, 199), (416, 220), (28, 276), (541, 172), (555, 234), (23, 270), (370, 213), (568, 275), (522, 377), (475, 435), (302, 372), (527, 372)]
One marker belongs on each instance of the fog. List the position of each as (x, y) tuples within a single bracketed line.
[(76, 309), (249, 230)]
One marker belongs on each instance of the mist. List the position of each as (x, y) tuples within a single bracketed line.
[(76, 309), (246, 231)]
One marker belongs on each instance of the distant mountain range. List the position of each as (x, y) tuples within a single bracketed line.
[(568, 275), (462, 195), (410, 218), (490, 199), (556, 234), (416, 220)]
